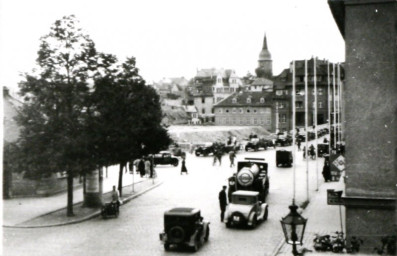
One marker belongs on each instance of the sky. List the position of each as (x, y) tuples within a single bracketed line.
[(174, 38)]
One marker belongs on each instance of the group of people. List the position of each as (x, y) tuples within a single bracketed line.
[(143, 167)]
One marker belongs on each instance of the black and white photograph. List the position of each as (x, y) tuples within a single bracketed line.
[(198, 127)]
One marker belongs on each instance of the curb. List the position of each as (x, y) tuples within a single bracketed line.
[(93, 215)]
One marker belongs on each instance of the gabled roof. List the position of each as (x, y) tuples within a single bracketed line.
[(262, 81), (241, 100)]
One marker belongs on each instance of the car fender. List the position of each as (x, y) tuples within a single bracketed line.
[(163, 237), (264, 207)]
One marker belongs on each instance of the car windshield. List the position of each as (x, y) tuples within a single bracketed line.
[(245, 200)]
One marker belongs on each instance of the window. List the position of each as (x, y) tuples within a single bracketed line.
[(319, 78), (219, 80), (282, 118), (279, 92), (241, 110), (255, 121), (203, 111), (262, 100), (299, 104), (254, 110), (285, 92), (268, 121), (234, 100), (320, 104), (320, 91), (218, 90), (248, 100), (281, 105), (202, 100), (248, 110), (227, 111), (300, 92)]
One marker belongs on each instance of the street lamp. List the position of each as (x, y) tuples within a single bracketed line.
[(293, 227)]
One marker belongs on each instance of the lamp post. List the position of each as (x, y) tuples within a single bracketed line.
[(293, 227)]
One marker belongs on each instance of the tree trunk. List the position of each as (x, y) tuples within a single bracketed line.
[(70, 195), (121, 178)]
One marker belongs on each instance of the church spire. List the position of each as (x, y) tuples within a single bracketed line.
[(264, 43)]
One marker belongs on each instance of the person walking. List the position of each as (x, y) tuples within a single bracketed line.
[(222, 202), (215, 157), (304, 152), (183, 167), (219, 156), (232, 156), (299, 144), (141, 167), (326, 172)]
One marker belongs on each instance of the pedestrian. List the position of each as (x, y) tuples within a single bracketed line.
[(299, 144), (222, 202), (116, 197), (232, 156), (219, 156), (304, 152), (141, 167), (326, 172), (147, 167), (183, 167), (215, 157)]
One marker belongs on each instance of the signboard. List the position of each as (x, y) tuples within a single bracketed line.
[(334, 197), (339, 162)]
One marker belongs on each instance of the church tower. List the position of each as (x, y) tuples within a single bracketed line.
[(265, 65)]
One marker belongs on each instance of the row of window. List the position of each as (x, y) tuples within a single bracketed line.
[(241, 110), (299, 92), (224, 90), (245, 121), (299, 104), (249, 100)]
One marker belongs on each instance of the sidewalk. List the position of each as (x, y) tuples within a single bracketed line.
[(322, 219), (51, 211)]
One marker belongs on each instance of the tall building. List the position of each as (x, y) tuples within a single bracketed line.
[(265, 63), (370, 127)]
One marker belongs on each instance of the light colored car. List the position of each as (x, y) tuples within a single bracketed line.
[(245, 209)]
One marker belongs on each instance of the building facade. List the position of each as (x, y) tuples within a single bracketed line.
[(369, 97), (245, 109), (283, 94)]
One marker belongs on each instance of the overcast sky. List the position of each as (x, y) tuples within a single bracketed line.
[(174, 38)]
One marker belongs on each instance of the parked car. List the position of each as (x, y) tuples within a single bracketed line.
[(245, 209), (164, 158), (176, 150), (322, 149), (184, 227), (283, 141), (284, 158), (256, 143), (204, 149)]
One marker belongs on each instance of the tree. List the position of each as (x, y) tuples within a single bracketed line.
[(126, 115), (53, 137)]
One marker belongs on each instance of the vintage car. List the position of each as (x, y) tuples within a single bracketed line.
[(322, 149), (164, 158), (176, 150), (256, 144), (204, 149), (245, 209), (251, 175), (284, 158), (283, 139), (184, 227)]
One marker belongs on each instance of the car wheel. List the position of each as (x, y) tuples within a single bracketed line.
[(246, 148), (175, 164), (166, 246), (228, 224), (176, 234), (197, 153), (265, 215)]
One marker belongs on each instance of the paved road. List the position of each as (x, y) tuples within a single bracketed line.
[(136, 231)]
